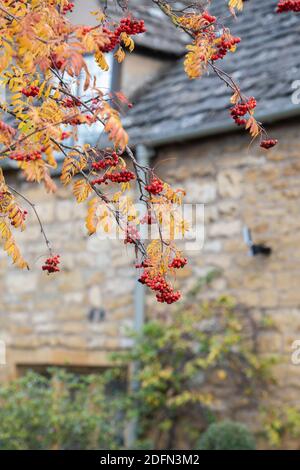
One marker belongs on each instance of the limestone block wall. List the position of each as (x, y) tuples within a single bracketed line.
[(242, 185), (77, 316), (47, 319)]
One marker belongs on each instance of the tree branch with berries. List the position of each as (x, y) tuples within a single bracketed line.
[(42, 59)]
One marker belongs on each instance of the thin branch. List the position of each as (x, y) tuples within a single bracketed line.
[(37, 216)]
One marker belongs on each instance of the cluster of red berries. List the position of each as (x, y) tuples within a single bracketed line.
[(168, 296), (165, 292), (70, 102), (222, 42), (114, 40), (240, 110), (209, 18), (51, 264), (268, 143), (26, 157), (127, 25), (131, 26), (288, 5), (111, 161), (68, 8), (123, 176), (31, 91), (156, 186), (178, 263), (226, 43), (132, 235)]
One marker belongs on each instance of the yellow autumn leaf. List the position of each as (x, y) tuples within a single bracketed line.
[(113, 127), (238, 4), (70, 168), (120, 55), (235, 97), (253, 127), (81, 190), (127, 41), (15, 215), (90, 221), (10, 246), (33, 170), (101, 61), (98, 215)]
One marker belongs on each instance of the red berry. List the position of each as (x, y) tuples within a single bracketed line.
[(51, 264), (178, 263), (157, 283), (210, 19), (69, 7), (268, 143), (156, 186), (288, 5), (224, 45), (123, 176), (70, 102), (26, 157), (241, 109), (127, 25), (108, 161), (31, 91)]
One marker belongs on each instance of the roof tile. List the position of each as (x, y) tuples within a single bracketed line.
[(266, 64)]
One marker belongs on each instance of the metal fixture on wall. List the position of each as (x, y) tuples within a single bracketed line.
[(255, 248)]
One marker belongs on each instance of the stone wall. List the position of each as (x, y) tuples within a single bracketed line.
[(77, 316), (46, 319), (242, 185)]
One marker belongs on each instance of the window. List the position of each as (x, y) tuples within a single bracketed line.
[(92, 134)]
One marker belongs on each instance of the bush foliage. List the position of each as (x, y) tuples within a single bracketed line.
[(58, 411), (227, 436)]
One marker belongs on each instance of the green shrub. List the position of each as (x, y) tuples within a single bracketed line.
[(227, 435), (184, 361), (59, 411)]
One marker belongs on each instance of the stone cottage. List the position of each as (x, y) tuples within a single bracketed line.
[(184, 128)]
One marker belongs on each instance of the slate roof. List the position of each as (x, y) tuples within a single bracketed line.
[(266, 64), (161, 35)]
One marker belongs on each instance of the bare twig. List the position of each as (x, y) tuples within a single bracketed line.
[(37, 216)]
